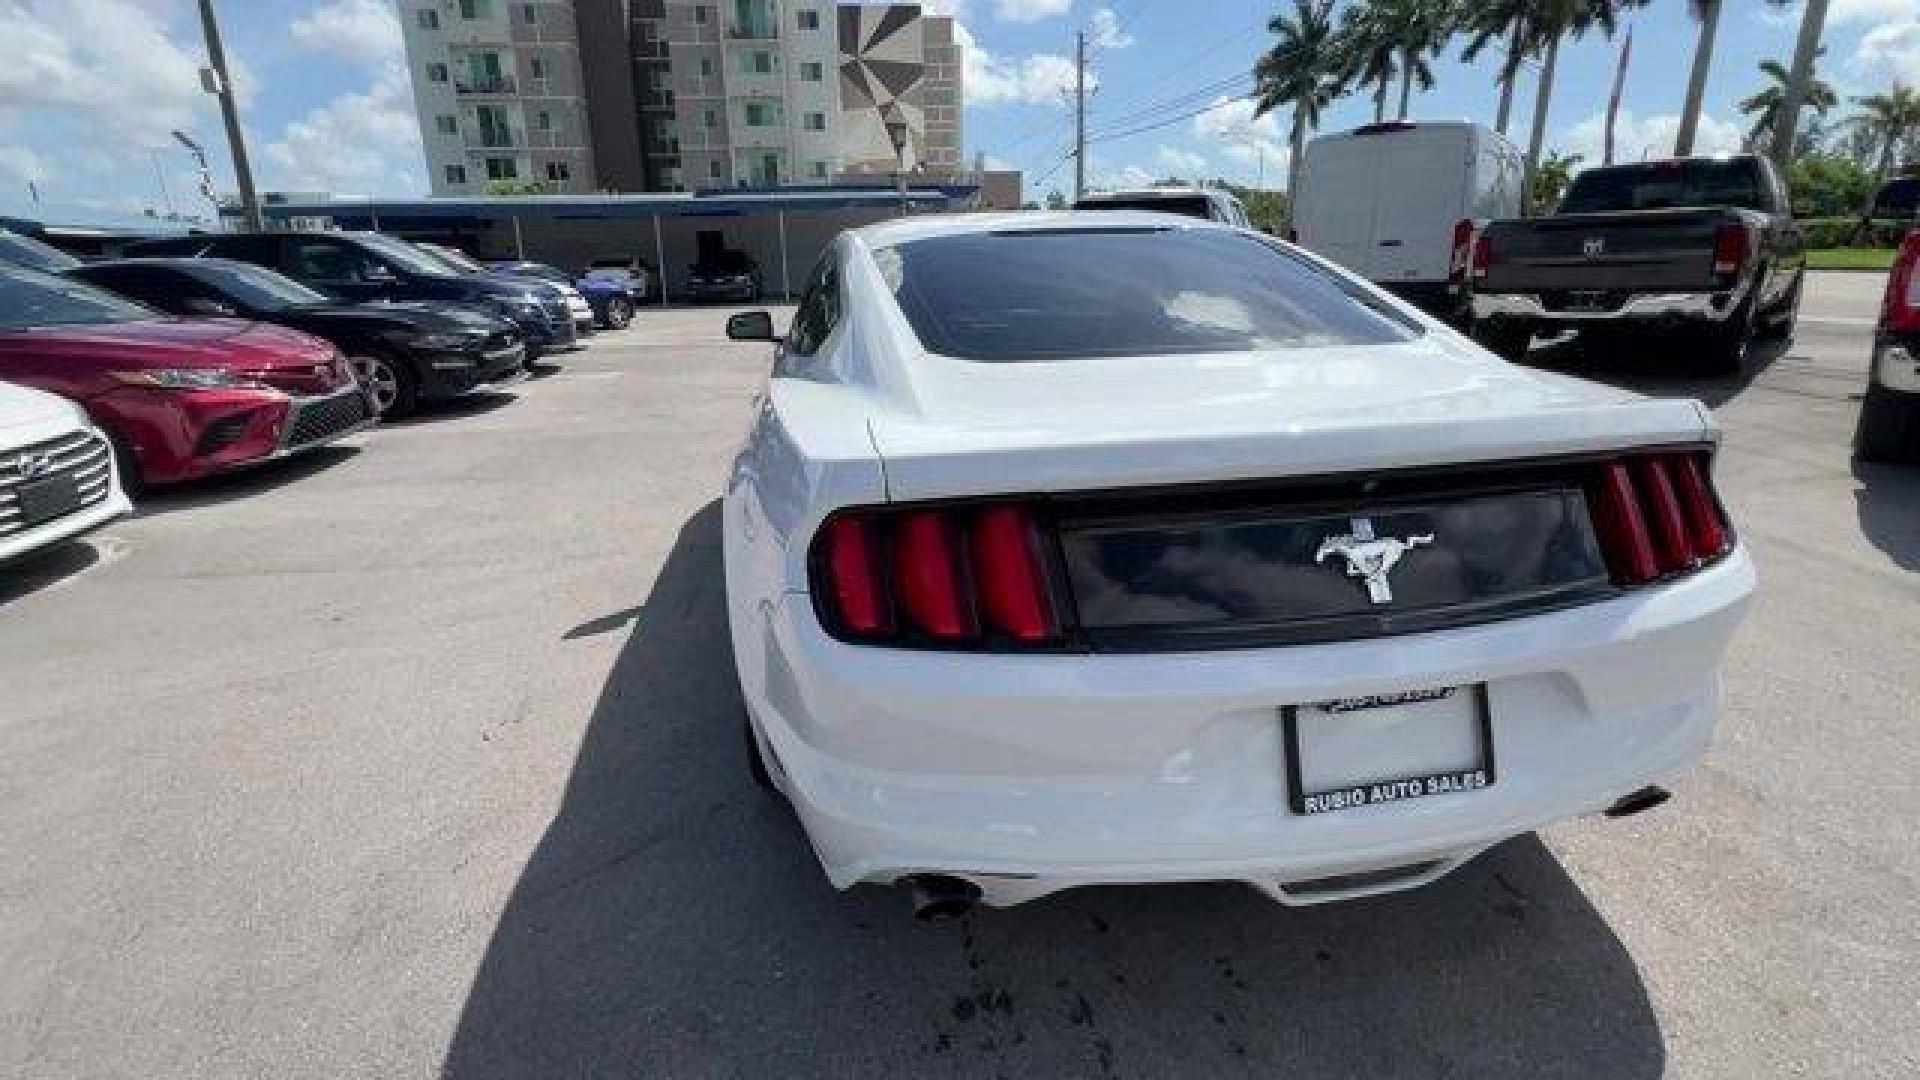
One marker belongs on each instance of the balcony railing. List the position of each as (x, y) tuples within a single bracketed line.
[(499, 85), (754, 30), (490, 140)]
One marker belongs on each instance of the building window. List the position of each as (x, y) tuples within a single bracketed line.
[(706, 67), (428, 19), (819, 170), (447, 125), (757, 62), (809, 20), (763, 113), (713, 170), (436, 73), (816, 121), (537, 66), (502, 168), (559, 171), (456, 174), (811, 71), (529, 13), (543, 120), (700, 14), (475, 9), (711, 118)]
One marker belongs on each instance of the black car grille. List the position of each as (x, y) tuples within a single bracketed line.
[(80, 458), (556, 311), (324, 418)]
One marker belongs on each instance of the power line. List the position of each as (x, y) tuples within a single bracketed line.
[(1169, 121)]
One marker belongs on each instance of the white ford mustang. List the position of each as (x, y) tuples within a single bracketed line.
[(1072, 549)]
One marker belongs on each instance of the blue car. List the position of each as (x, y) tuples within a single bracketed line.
[(613, 301)]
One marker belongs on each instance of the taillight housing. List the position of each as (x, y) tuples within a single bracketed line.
[(1482, 256), (1729, 249), (1656, 515), (962, 576), (1461, 251), (1901, 311)]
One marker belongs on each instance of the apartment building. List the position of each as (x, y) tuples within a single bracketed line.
[(669, 95)]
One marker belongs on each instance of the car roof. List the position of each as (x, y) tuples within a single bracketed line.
[(901, 230), (1183, 192)]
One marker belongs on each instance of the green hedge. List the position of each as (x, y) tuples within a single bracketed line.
[(1837, 232)]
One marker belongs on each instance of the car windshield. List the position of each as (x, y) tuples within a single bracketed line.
[(28, 252), (1048, 294), (1195, 206), (1657, 185), (257, 287), (407, 257), (455, 258), (539, 270), (31, 298)]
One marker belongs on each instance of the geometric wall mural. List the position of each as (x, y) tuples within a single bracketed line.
[(882, 63)]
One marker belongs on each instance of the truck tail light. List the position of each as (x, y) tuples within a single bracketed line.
[(1901, 312), (1482, 256), (967, 576), (1462, 252), (1656, 516), (1729, 249)]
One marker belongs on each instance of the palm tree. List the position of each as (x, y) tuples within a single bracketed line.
[(1372, 54), (1707, 14), (1764, 106), (1812, 21), (1418, 30), (1492, 21), (1890, 117), (1303, 70), (1550, 21)]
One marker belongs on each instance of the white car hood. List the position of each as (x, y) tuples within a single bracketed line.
[(29, 415), (963, 427)]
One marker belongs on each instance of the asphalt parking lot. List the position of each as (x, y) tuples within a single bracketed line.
[(420, 756)]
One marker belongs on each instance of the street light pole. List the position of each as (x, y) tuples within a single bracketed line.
[(230, 112), (206, 171), (897, 134)]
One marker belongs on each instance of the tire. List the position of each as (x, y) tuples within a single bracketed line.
[(1781, 325), (756, 763), (1889, 426), (396, 389), (1723, 348), (619, 313), (1507, 340)]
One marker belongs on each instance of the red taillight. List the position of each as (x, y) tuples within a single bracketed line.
[(854, 583), (973, 575), (1901, 311), (1482, 256), (1655, 516), (1729, 249), (1462, 250), (1008, 575), (927, 576)]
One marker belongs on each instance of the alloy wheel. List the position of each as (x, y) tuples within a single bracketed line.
[(376, 374)]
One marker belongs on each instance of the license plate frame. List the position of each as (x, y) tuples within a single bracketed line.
[(1587, 300), (1305, 803), (41, 501)]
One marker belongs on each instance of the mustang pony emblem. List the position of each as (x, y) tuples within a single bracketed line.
[(1369, 557)]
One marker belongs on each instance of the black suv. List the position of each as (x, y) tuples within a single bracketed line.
[(724, 275), (361, 267), (403, 353)]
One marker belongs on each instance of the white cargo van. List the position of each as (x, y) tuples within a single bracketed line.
[(1397, 203)]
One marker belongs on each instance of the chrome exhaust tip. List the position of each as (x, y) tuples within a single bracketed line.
[(940, 898)]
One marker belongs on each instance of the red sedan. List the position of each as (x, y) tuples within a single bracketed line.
[(180, 398)]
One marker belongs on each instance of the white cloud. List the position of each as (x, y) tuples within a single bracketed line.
[(1842, 12), (1636, 137), (360, 142), (1242, 136), (1039, 79), (22, 165), (1891, 49), (365, 30), (108, 65), (1184, 163), (1029, 10), (1104, 31)]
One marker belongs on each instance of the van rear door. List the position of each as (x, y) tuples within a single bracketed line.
[(1336, 201), (1422, 191)]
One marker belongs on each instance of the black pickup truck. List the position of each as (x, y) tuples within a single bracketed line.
[(1703, 252)]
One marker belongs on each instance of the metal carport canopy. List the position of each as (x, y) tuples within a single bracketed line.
[(596, 207)]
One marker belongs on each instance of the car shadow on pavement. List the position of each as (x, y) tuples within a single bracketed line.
[(1888, 500), (1655, 368), (478, 403), (243, 483), (672, 921), (28, 574)]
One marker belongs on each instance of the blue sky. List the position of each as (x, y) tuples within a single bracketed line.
[(93, 87)]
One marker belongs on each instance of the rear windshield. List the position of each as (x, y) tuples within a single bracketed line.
[(1056, 294), (31, 298), (1187, 205), (1661, 184)]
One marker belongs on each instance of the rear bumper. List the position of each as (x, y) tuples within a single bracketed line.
[(1699, 307), (745, 290), (1029, 774)]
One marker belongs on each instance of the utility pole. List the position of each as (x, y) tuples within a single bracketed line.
[(1812, 22), (220, 84), (1080, 116)]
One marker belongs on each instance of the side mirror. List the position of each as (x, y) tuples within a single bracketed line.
[(751, 326), (206, 307)]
